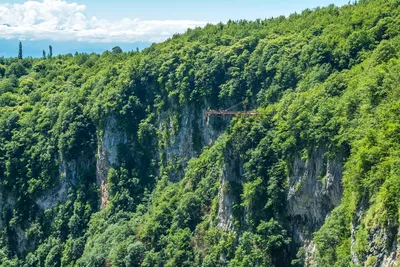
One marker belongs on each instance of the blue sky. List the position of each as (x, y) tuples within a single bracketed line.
[(210, 10), (96, 25)]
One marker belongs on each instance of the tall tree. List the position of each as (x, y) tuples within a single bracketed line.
[(44, 54), (50, 51), (116, 49), (20, 51)]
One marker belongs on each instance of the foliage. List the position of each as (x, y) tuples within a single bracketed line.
[(322, 79)]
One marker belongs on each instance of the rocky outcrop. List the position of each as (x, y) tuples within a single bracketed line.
[(70, 174), (179, 147), (383, 248), (228, 194), (107, 155), (54, 196), (68, 171), (314, 190), (187, 138), (226, 201)]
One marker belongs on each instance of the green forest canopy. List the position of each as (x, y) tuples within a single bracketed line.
[(323, 78)]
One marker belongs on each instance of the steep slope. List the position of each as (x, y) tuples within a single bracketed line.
[(107, 160)]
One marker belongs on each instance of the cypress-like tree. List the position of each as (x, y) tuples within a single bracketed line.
[(44, 54), (20, 51), (50, 51)]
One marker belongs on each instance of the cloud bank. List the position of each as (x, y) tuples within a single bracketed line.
[(60, 20)]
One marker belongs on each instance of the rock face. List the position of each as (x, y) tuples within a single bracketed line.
[(187, 138), (180, 147), (107, 155), (389, 254), (225, 203), (69, 172), (55, 195), (383, 247), (314, 190), (227, 195), (314, 184)]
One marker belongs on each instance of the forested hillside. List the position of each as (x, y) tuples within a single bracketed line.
[(108, 160)]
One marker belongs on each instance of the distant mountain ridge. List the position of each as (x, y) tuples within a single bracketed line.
[(9, 47)]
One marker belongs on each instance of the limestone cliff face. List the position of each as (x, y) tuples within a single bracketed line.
[(178, 149), (314, 190), (193, 133), (383, 245), (187, 137), (314, 184), (69, 175), (107, 155), (232, 172), (69, 172), (226, 201)]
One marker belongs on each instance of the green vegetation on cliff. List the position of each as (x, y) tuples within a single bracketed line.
[(323, 80)]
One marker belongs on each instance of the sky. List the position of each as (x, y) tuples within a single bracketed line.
[(97, 25)]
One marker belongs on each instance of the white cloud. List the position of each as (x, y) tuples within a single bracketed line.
[(59, 20)]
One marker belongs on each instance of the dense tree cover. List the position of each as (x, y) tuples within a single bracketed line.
[(323, 78)]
